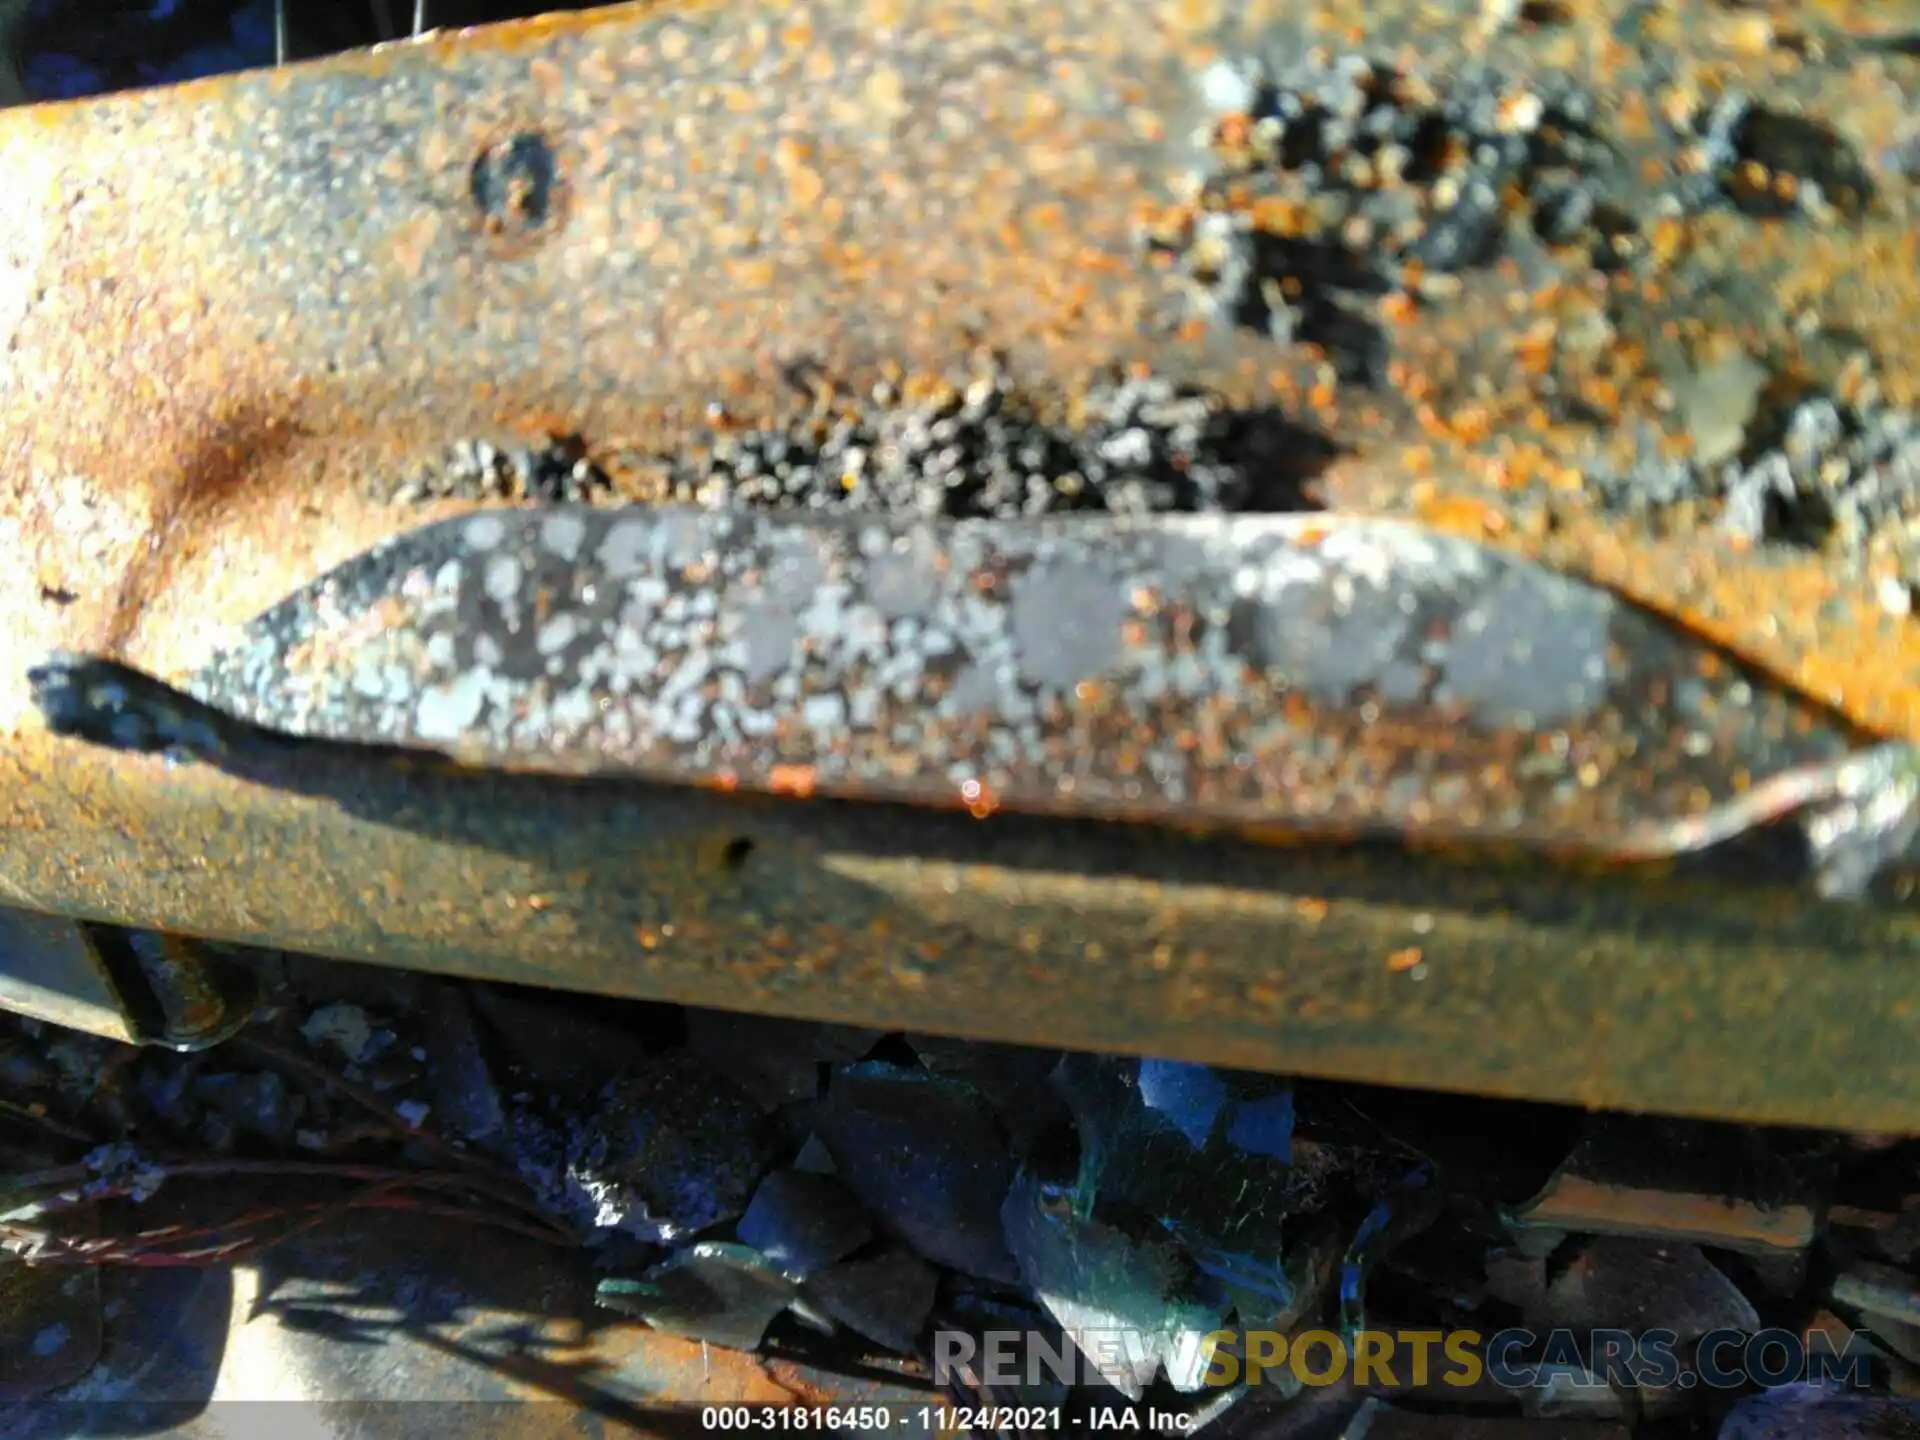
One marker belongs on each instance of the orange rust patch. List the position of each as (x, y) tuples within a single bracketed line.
[(796, 780)]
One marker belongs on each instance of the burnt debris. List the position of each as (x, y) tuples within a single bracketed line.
[(978, 445), (1157, 1228), (1331, 181)]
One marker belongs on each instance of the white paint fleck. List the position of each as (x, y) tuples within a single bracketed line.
[(486, 650), (562, 535), (1229, 89), (503, 578), (824, 712), (369, 679), (557, 634), (573, 709), (446, 712), (485, 531), (624, 551)]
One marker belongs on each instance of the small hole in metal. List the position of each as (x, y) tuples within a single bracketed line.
[(736, 853), (513, 184)]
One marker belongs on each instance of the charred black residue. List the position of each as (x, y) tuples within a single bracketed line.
[(985, 447), (975, 445), (1342, 179), (1775, 164), (1820, 469), (558, 472)]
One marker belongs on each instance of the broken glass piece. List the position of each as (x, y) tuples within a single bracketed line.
[(726, 1294), (1264, 1127), (348, 1031), (1189, 1096), (1674, 1179), (1012, 1079), (885, 1297), (813, 1158), (1206, 1153), (811, 1316), (927, 1157), (670, 1149), (1405, 1210), (803, 1223), (1131, 1306), (463, 1091), (563, 1048), (776, 1061), (1612, 1282), (1879, 1290)]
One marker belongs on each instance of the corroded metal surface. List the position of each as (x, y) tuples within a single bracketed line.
[(307, 278), (1298, 672), (1575, 1203), (1386, 967), (53, 971), (229, 309)]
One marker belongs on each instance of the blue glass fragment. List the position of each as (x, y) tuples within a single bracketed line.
[(927, 1157), (803, 1223), (885, 1297), (1191, 1096), (1206, 1152), (726, 1294), (1264, 1127), (1099, 1281), (1370, 1241)]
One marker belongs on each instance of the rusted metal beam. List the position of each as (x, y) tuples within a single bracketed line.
[(236, 314), (1682, 996), (231, 307)]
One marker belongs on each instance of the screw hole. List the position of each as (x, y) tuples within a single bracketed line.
[(736, 853), (515, 186)]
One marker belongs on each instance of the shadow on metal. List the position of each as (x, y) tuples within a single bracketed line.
[(397, 1327)]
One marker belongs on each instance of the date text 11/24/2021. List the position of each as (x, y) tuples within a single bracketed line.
[(942, 1419)]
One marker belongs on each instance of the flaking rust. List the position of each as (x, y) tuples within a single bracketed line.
[(257, 296)]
